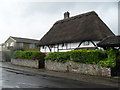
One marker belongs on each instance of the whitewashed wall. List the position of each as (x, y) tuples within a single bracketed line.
[(64, 48)]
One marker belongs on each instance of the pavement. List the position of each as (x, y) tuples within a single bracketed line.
[(111, 81)]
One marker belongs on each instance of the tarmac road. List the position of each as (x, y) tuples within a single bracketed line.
[(18, 79)]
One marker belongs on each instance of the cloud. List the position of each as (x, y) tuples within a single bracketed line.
[(34, 19)]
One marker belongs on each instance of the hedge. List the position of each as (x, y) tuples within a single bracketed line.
[(105, 58), (110, 61), (82, 56), (30, 55)]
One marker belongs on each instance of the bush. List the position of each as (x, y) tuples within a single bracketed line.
[(88, 56), (110, 61), (58, 56), (38, 56), (30, 55), (82, 56)]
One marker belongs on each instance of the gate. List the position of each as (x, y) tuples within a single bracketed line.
[(116, 70)]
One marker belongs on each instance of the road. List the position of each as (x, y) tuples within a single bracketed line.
[(18, 79)]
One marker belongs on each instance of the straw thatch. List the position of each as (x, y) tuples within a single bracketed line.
[(87, 26)]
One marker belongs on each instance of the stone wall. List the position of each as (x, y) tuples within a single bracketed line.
[(24, 62), (78, 68)]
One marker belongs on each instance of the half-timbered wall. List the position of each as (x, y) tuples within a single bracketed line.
[(67, 46)]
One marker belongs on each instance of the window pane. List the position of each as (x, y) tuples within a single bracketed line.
[(32, 46), (21, 45)]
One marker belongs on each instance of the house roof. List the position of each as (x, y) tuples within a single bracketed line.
[(24, 40), (87, 26), (111, 41)]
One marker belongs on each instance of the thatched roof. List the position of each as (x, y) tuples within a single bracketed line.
[(87, 26), (111, 41), (24, 40)]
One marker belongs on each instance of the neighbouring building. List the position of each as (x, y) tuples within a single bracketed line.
[(77, 32), (17, 43)]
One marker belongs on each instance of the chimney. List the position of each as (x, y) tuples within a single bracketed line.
[(66, 15)]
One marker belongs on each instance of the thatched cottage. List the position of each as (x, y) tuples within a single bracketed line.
[(80, 31)]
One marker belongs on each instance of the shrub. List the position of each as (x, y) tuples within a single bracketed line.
[(30, 55), (88, 56), (82, 56), (38, 56), (58, 56), (110, 61)]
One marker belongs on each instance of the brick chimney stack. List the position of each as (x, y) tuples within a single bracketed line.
[(66, 15)]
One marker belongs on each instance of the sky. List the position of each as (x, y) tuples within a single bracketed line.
[(33, 19)]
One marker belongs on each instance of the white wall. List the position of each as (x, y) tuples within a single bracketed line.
[(69, 45)]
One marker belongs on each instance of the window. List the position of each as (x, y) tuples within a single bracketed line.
[(7, 44), (86, 43), (21, 45), (32, 46), (12, 44)]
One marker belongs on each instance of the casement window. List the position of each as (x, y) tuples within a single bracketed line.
[(86, 43), (7, 44), (21, 45), (12, 44), (31, 45)]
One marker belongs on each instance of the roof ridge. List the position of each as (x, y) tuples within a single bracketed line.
[(76, 16), (23, 38)]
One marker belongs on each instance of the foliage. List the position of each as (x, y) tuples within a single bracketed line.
[(30, 55), (58, 56), (88, 56), (105, 58), (110, 61), (82, 56)]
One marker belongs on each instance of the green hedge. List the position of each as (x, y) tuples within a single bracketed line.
[(30, 55), (88, 56), (58, 56), (82, 56), (110, 61), (105, 58)]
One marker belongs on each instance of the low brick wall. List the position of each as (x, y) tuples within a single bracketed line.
[(24, 62), (78, 68)]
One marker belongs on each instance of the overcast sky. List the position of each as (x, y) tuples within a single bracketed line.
[(34, 19)]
